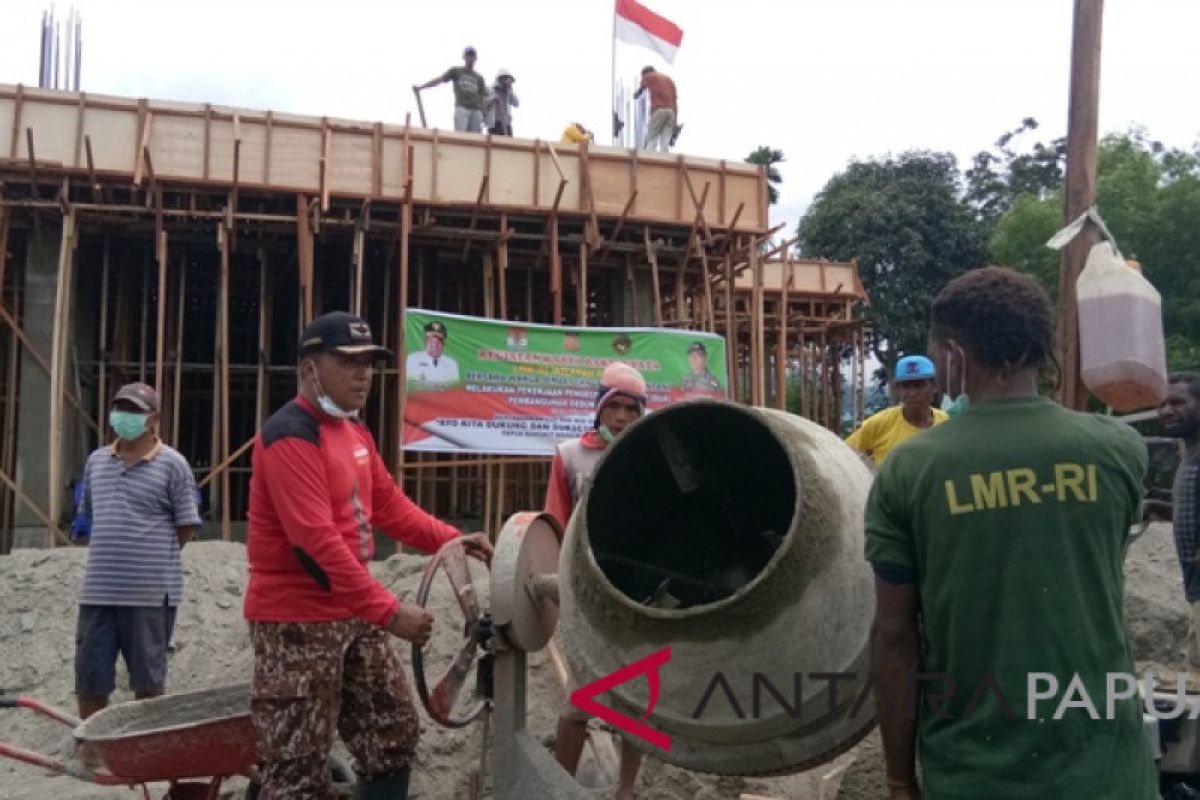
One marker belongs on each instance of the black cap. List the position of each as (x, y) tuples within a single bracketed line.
[(437, 329), (698, 347), (340, 332), (469, 51), (141, 395)]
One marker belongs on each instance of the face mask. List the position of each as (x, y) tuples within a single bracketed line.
[(606, 434), (327, 405), (961, 403), (127, 425)]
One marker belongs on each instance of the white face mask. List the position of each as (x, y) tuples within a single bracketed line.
[(326, 403), (961, 402)]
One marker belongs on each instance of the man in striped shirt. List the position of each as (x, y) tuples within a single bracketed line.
[(141, 498)]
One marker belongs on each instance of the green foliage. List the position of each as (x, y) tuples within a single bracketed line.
[(768, 157), (905, 221)]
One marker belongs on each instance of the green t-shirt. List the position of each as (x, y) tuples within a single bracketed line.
[(469, 87), (1014, 519)]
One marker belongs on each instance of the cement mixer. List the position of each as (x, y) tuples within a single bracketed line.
[(710, 595)]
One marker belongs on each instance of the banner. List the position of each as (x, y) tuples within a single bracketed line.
[(491, 386)]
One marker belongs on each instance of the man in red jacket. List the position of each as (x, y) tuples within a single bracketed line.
[(319, 622)]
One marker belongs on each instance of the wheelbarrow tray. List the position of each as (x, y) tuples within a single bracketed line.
[(193, 735)]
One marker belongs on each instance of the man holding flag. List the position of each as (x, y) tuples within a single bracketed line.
[(636, 25)]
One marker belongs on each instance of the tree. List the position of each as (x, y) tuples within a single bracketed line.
[(768, 157), (998, 177), (1149, 198), (905, 220)]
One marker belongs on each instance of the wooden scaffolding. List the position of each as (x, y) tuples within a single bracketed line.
[(186, 245)]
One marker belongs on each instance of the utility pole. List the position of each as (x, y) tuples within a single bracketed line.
[(1082, 143)]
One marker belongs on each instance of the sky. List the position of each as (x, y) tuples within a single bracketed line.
[(826, 81)]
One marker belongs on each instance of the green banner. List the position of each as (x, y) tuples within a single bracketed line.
[(489, 386)]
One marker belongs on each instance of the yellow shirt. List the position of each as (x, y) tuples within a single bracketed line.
[(882, 432), (572, 135)]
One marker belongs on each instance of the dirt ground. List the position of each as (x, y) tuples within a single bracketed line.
[(37, 615)]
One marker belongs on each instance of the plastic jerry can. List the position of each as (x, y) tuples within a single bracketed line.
[(1122, 352)]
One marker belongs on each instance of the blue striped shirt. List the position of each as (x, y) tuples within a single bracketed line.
[(133, 551)]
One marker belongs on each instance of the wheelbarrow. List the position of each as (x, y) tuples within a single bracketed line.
[(198, 735)]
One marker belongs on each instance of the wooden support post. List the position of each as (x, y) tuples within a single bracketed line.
[(489, 289), (401, 309), (710, 322), (223, 377), (262, 400), (631, 291), (61, 339), (731, 334), (502, 265), (652, 257), (180, 318), (160, 326), (555, 270), (304, 256), (143, 327), (359, 246), (781, 348), (582, 288), (757, 348), (1080, 189)]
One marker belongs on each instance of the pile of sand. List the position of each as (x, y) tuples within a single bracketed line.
[(37, 616)]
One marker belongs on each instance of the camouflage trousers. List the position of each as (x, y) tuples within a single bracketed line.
[(313, 677)]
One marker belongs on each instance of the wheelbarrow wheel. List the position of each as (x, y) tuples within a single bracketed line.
[(340, 773)]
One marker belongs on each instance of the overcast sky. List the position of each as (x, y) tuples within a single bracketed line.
[(824, 80)]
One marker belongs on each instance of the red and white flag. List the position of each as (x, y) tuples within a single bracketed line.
[(639, 26)]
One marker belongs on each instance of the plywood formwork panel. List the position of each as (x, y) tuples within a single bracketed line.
[(350, 170), (8, 111), (522, 173), (612, 184), (295, 154), (460, 171), (185, 155), (113, 135), (54, 135), (658, 191), (510, 184)]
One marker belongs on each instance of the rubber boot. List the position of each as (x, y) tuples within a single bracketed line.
[(392, 786)]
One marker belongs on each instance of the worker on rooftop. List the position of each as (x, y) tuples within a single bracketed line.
[(620, 401), (664, 109), (319, 622), (575, 133), (470, 92), (882, 432), (500, 103), (997, 542)]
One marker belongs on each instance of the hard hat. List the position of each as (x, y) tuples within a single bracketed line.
[(504, 73)]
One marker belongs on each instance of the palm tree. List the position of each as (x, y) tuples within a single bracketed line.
[(768, 158)]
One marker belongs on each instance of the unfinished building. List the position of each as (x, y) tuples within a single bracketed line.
[(186, 245)]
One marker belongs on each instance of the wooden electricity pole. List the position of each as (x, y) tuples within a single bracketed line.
[(1082, 143)]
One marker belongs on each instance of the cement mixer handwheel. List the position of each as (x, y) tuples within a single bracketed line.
[(452, 560)]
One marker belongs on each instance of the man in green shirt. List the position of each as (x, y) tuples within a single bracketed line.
[(997, 541), (470, 92)]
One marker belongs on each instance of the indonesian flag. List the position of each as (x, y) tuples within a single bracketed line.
[(641, 27)]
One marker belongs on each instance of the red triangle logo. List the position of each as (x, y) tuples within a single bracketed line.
[(581, 698)]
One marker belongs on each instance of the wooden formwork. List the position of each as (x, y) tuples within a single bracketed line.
[(196, 241)]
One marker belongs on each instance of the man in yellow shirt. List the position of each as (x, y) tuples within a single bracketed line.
[(916, 384)]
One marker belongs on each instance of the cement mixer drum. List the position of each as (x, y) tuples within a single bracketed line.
[(734, 537)]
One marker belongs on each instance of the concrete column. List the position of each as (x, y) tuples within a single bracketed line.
[(33, 405)]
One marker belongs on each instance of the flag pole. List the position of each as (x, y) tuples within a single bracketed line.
[(612, 86)]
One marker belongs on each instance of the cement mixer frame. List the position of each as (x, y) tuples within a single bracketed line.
[(809, 580)]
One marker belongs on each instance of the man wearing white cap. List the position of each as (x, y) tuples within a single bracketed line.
[(620, 401), (497, 112)]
